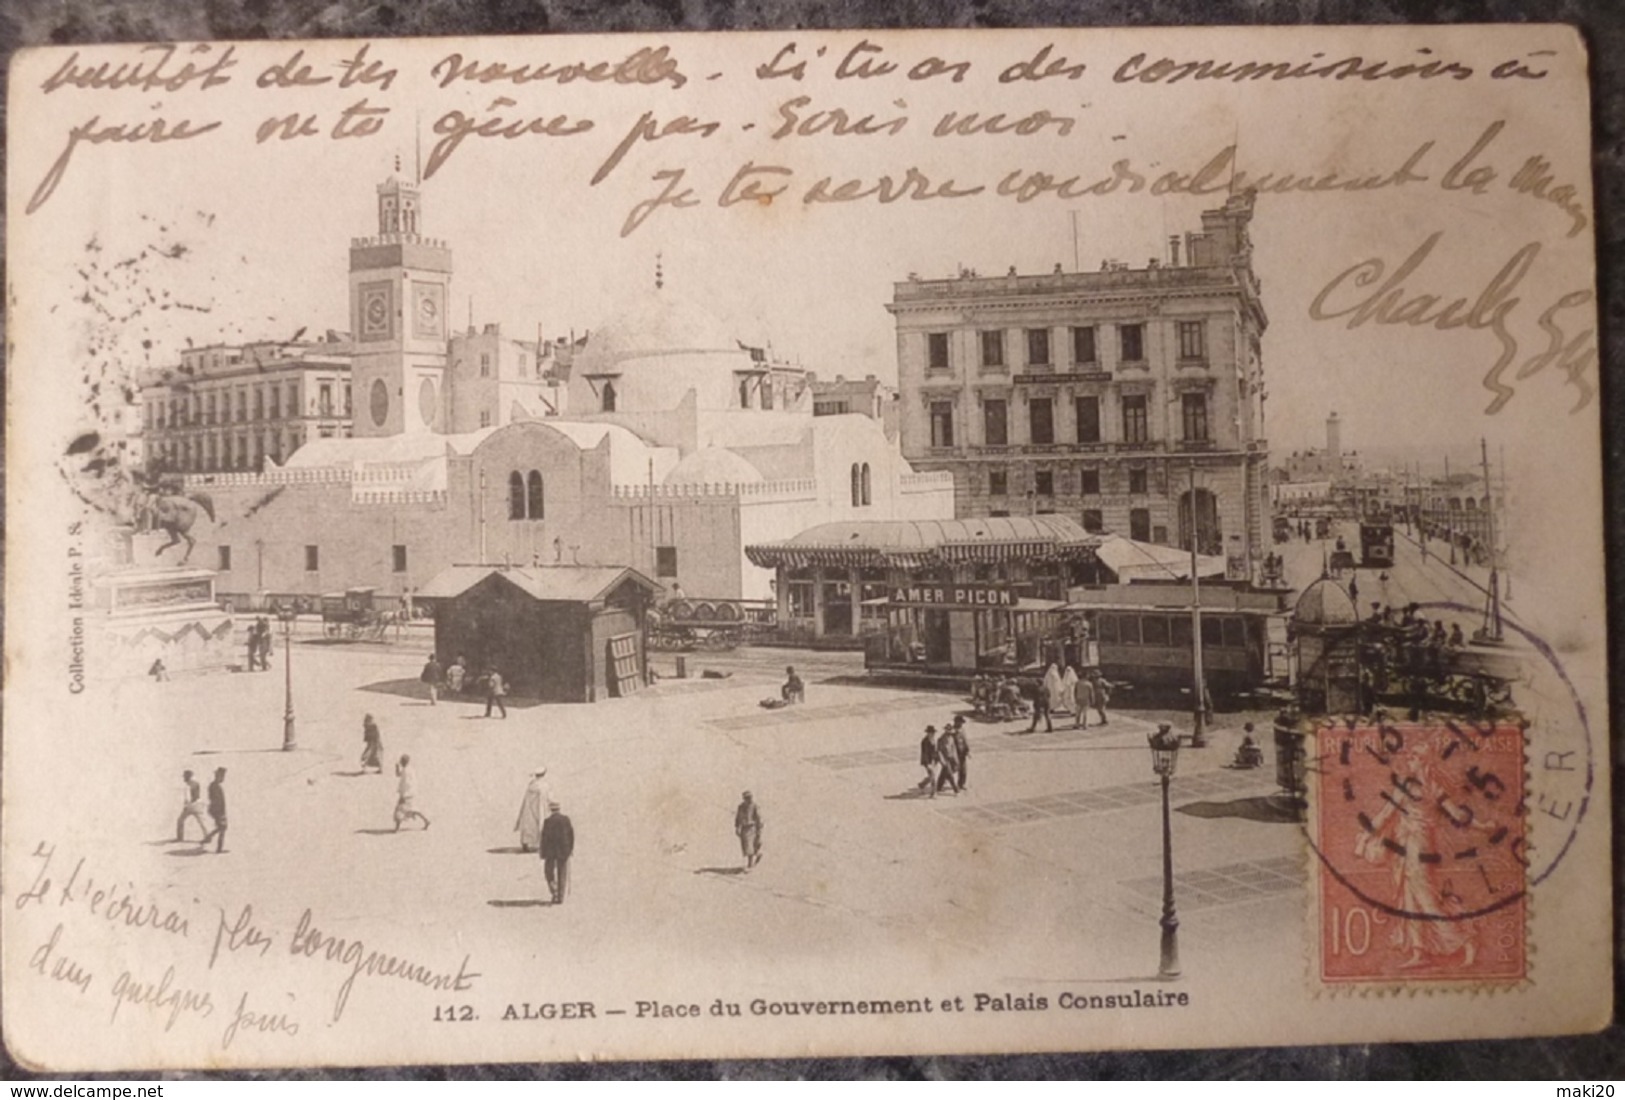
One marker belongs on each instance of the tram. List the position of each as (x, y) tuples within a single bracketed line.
[(1377, 545), (1137, 635)]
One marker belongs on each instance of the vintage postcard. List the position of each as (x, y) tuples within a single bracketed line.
[(517, 548)]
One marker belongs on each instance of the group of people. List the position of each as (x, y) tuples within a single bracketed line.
[(1072, 693), (192, 808), (1410, 640), (543, 828), (1004, 698), (997, 698), (945, 756), (372, 759), (259, 645), (453, 679)]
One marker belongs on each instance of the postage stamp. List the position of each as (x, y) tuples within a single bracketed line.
[(1422, 868)]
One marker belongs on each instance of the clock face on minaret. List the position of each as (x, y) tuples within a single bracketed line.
[(400, 288)]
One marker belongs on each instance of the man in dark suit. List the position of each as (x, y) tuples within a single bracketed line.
[(217, 811), (558, 845)]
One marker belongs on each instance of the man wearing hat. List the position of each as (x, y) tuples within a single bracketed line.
[(558, 845), (529, 824), (961, 752), (748, 827), (928, 759), (947, 759)]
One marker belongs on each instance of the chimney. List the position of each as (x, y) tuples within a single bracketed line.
[(1173, 251)]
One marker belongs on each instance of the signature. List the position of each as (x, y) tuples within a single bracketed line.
[(1368, 293)]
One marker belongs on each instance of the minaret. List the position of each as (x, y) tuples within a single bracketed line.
[(1334, 446), (400, 284)]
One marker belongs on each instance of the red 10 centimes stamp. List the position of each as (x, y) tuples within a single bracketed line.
[(1422, 842)]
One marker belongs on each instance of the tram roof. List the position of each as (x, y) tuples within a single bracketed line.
[(919, 543)]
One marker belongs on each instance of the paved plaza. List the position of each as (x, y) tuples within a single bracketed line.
[(1047, 867), (1044, 873), (1036, 871)]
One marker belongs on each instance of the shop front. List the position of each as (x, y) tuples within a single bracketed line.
[(950, 596)]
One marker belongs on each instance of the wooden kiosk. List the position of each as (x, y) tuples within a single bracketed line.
[(557, 633)]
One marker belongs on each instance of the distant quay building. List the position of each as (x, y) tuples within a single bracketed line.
[(1100, 395)]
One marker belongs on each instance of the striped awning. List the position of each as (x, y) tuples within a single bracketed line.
[(930, 544)]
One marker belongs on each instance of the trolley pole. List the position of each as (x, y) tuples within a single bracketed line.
[(1199, 693)]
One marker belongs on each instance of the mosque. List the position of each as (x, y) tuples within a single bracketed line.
[(659, 442)]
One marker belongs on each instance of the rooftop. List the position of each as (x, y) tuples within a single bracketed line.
[(925, 543)]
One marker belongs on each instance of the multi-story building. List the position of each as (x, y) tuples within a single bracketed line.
[(233, 407), (658, 441), (866, 396), (1129, 398)]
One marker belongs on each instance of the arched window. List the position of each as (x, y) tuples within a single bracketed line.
[(857, 486), (533, 495), (867, 499), (609, 397), (516, 495)]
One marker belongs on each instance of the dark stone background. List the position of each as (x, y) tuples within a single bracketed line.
[(1587, 1058)]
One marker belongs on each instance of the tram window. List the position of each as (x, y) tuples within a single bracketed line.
[(1181, 632), (1212, 632), (1107, 626), (1154, 629), (1234, 635), (1128, 630)]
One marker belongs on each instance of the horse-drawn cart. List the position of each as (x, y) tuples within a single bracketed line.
[(685, 624), (351, 615)]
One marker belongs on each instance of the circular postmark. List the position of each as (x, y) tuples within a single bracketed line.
[(1450, 817)]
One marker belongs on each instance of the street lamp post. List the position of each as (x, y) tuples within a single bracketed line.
[(1199, 681), (1164, 756), (287, 615)]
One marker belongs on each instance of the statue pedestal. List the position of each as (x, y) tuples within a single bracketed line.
[(168, 614)]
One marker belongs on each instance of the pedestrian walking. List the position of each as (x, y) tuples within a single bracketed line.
[(1056, 683), (947, 760), (495, 692), (928, 760), (1103, 693), (1041, 705), (158, 671), (191, 807), (531, 807), (372, 745), (961, 752), (253, 646), (265, 644), (1354, 590), (558, 845), (217, 813), (456, 673), (748, 828), (406, 792), (1083, 697), (432, 676)]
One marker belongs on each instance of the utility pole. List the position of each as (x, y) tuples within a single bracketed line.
[(1491, 631), (1449, 512), (1506, 595), (1199, 696)]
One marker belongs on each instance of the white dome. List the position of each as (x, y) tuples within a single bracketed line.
[(713, 466), (660, 324)]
